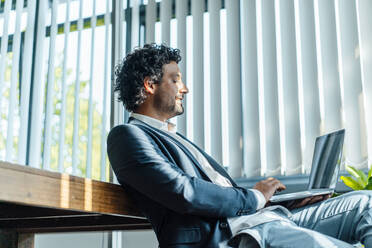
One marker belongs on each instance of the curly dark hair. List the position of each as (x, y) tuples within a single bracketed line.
[(142, 62)]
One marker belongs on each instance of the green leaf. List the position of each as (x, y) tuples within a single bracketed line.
[(362, 176), (351, 183), (358, 174), (370, 172), (369, 185)]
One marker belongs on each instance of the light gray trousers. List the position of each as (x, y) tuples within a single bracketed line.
[(336, 222)]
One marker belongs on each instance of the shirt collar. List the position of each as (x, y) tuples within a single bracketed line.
[(165, 126)]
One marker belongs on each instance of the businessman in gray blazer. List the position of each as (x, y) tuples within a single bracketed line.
[(188, 197)]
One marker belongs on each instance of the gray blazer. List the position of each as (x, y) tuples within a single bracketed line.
[(170, 187)]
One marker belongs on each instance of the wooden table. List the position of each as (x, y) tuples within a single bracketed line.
[(36, 201)]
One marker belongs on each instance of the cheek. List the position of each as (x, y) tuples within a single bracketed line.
[(172, 91), (176, 89)]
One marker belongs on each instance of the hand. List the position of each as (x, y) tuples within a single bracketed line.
[(309, 200), (269, 186)]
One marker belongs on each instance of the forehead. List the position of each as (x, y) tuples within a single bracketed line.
[(171, 68)]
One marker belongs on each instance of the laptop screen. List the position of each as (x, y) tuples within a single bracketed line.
[(326, 160)]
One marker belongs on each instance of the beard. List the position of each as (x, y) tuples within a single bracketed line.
[(168, 105)]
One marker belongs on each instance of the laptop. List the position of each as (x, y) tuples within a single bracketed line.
[(324, 170)]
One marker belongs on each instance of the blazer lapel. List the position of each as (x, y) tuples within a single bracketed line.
[(182, 147)]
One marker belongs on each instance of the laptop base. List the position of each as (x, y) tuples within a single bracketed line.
[(300, 195)]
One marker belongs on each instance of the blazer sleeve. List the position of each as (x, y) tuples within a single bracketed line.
[(138, 162)]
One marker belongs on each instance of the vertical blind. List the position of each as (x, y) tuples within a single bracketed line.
[(265, 78), (268, 77), (55, 83)]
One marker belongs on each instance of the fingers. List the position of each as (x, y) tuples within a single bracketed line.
[(326, 197), (281, 187), (303, 202), (308, 201), (268, 187), (315, 199), (276, 184)]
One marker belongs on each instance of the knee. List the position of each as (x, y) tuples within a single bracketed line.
[(365, 194), (361, 197)]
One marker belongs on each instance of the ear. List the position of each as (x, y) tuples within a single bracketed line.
[(149, 85)]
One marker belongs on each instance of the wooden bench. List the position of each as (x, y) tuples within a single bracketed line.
[(36, 201)]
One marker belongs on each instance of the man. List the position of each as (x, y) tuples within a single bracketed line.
[(188, 197)]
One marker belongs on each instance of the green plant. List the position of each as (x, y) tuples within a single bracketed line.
[(358, 180)]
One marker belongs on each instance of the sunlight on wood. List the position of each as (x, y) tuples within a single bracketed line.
[(88, 194), (65, 191)]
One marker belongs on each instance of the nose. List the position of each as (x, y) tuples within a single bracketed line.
[(184, 88)]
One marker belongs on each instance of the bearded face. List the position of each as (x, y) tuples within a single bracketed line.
[(170, 91)]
